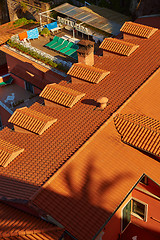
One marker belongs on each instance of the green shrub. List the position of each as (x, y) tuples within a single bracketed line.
[(45, 32), (37, 56), (22, 21)]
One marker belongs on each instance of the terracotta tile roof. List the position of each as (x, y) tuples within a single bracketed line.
[(8, 152), (118, 46), (4, 38), (9, 29), (31, 120), (87, 73), (44, 155), (138, 29), (15, 224), (97, 177), (139, 131), (61, 95)]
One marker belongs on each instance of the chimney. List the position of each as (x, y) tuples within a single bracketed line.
[(86, 52)]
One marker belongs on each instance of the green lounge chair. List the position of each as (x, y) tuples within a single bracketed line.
[(60, 40), (55, 40), (70, 52), (63, 45), (64, 50), (75, 46), (74, 55)]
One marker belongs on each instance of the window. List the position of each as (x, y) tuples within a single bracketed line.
[(29, 87), (139, 209)]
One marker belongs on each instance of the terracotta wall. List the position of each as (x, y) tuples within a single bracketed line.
[(2, 58), (153, 207), (4, 116), (43, 78), (113, 228)]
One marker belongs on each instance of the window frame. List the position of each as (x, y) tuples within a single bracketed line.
[(145, 209)]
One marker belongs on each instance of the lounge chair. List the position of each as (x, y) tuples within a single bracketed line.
[(64, 50), (55, 40), (63, 45), (60, 41)]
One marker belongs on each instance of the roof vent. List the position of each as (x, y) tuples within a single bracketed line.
[(112, 45), (79, 72), (102, 101), (27, 120), (57, 95), (8, 152), (131, 29)]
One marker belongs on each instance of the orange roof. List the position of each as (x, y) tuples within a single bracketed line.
[(98, 176), (9, 29), (8, 152), (44, 155), (87, 73), (138, 29), (31, 120), (61, 95), (15, 224), (139, 131), (118, 46)]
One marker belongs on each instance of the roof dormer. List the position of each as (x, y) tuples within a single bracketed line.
[(117, 46), (81, 73), (135, 30), (27, 120), (56, 95), (139, 131), (8, 152)]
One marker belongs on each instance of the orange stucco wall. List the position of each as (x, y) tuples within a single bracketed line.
[(153, 207), (113, 228), (44, 77)]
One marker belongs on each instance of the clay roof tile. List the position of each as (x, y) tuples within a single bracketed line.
[(118, 46), (138, 29), (8, 152), (139, 131), (31, 120), (87, 73), (61, 95)]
